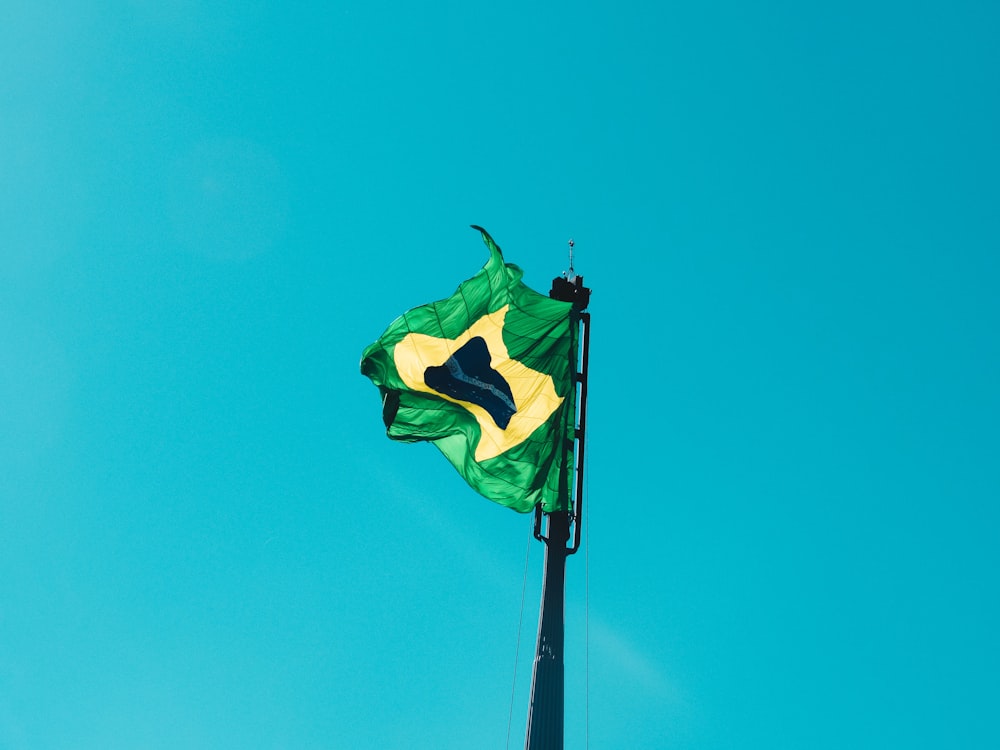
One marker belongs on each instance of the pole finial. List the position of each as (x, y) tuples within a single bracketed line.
[(571, 274)]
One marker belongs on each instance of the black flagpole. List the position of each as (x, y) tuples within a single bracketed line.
[(546, 709)]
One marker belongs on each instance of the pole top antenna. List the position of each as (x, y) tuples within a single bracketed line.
[(569, 287)]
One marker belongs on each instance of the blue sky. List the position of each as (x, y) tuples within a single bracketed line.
[(788, 216)]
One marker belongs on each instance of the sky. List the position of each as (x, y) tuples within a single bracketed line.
[(787, 213)]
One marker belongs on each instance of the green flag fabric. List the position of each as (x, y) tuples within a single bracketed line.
[(487, 375)]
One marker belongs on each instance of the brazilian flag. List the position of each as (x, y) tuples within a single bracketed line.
[(487, 375)]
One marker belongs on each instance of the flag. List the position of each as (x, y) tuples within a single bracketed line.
[(488, 376)]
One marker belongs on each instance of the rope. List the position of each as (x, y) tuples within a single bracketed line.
[(517, 649), (586, 617)]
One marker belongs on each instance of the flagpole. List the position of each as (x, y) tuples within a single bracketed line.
[(546, 709)]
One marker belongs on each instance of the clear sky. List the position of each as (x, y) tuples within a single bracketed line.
[(788, 213)]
